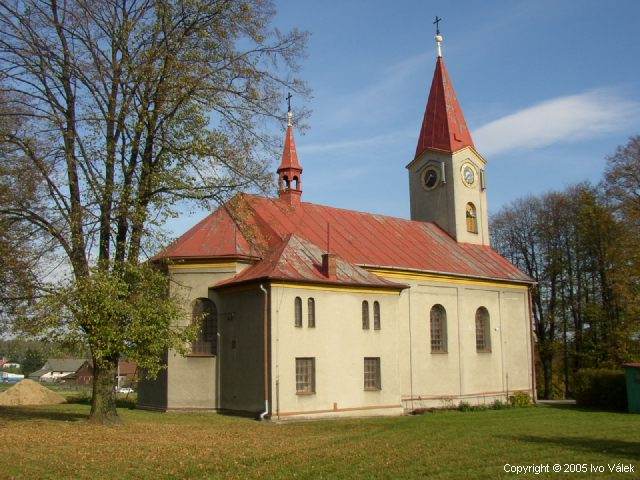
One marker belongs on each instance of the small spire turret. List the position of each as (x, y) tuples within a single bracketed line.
[(290, 170)]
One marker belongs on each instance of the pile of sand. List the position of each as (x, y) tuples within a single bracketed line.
[(28, 392)]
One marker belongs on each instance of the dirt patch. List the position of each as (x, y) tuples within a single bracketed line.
[(28, 392)]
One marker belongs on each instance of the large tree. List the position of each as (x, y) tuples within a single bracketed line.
[(126, 109)]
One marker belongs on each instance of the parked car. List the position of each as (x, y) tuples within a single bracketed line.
[(124, 389)]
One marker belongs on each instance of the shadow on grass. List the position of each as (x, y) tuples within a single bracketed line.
[(581, 408), (30, 413), (121, 402), (619, 448)]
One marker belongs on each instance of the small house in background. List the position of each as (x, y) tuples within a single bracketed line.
[(6, 364), (127, 373), (80, 372), (62, 370)]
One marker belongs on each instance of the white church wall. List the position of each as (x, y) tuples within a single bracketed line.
[(339, 345), (436, 380), (427, 374)]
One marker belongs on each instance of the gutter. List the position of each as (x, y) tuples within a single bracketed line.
[(264, 414), (369, 267)]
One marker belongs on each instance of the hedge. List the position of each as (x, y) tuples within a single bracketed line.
[(606, 389)]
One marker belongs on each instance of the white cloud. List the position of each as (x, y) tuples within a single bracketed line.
[(560, 120)]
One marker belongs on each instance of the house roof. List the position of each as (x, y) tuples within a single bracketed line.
[(127, 368), (362, 239), (299, 260), (39, 373), (443, 126), (69, 365)]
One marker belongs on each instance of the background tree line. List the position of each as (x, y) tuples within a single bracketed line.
[(581, 245)]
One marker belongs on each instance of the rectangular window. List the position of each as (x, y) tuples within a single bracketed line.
[(372, 373), (305, 375)]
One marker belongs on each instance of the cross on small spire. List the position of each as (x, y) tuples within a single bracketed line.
[(436, 23), (289, 114), (289, 101)]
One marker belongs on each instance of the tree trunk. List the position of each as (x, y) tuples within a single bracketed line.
[(103, 401)]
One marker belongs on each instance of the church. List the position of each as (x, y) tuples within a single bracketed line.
[(312, 311)]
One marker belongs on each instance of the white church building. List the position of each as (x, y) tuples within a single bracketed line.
[(309, 310)]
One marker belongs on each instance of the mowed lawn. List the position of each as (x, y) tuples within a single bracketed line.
[(56, 442)]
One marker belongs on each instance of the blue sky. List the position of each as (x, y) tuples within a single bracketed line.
[(548, 89)]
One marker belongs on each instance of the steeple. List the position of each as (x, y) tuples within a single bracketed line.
[(443, 126), (290, 171), (447, 180)]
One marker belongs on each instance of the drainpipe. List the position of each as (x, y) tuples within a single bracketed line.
[(264, 414), (534, 389)]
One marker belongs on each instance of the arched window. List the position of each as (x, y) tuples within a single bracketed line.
[(311, 313), (205, 313), (376, 316), (365, 315), (472, 218), (297, 305), (285, 180), (483, 330), (438, 324), (296, 183)]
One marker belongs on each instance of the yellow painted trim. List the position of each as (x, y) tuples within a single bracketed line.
[(239, 288), (202, 266), (337, 288), (443, 278)]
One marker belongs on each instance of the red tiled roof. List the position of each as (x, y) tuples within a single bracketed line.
[(297, 259), (362, 239), (217, 235), (443, 127)]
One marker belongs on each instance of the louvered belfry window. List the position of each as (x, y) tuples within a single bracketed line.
[(472, 218)]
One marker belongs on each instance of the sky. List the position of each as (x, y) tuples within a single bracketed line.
[(548, 88)]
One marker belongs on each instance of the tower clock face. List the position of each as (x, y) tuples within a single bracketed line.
[(430, 178), (468, 175)]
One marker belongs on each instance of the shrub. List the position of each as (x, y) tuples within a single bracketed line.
[(498, 404), (520, 399), (601, 388), (467, 407)]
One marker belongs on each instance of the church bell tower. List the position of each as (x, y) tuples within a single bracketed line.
[(447, 179)]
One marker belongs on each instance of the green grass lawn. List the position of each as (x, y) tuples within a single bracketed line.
[(56, 442)]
